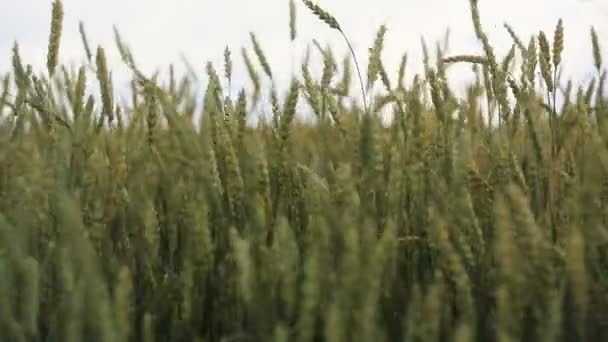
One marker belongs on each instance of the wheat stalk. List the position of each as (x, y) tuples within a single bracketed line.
[(55, 36)]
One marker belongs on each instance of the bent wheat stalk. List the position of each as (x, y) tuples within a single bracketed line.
[(333, 23)]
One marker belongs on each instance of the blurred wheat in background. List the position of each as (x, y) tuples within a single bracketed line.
[(480, 217)]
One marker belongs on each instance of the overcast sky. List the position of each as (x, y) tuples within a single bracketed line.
[(159, 30)]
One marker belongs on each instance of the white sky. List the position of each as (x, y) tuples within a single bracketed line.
[(158, 30)]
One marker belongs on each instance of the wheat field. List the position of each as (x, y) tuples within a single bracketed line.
[(475, 218)]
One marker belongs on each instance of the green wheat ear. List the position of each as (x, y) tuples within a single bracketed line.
[(375, 57), (253, 75), (257, 48), (292, 20), (104, 83), (55, 37), (321, 14), (545, 60), (597, 54), (228, 68), (532, 60), (401, 73), (515, 38), (466, 59), (558, 44), (85, 41)]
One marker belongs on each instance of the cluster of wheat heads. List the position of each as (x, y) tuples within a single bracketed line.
[(131, 222)]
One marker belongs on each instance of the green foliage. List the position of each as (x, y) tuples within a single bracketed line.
[(132, 222)]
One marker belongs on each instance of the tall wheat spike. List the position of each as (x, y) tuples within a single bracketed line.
[(228, 68), (597, 54), (85, 41), (103, 77), (55, 36), (292, 20), (375, 52), (261, 56), (434, 224)]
